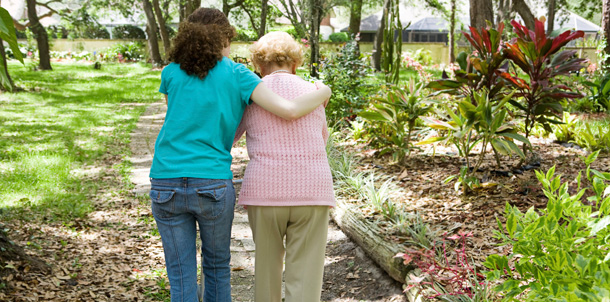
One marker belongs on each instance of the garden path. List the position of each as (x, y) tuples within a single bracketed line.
[(349, 274)]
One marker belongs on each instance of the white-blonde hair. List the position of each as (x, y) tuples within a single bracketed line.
[(277, 48)]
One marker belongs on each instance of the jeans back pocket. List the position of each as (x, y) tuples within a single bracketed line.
[(162, 202), (212, 200)]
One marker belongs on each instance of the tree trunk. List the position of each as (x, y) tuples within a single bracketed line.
[(452, 32), (316, 8), (370, 238), (187, 7), (481, 11), (40, 33), (505, 11), (355, 17), (379, 36), (606, 32), (525, 12), (8, 76), (162, 28), (551, 17), (264, 10), (151, 30), (227, 7)]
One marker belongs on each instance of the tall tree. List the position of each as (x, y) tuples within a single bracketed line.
[(227, 7), (449, 15), (7, 34), (187, 7), (452, 31), (606, 32), (259, 13), (550, 22), (520, 7), (505, 11), (355, 16), (315, 14), (378, 42), (162, 27), (290, 10), (151, 31), (263, 23), (40, 33), (481, 11)]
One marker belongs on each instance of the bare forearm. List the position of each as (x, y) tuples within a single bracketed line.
[(292, 109)]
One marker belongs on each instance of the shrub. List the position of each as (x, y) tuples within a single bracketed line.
[(96, 31), (560, 253), (132, 51), (128, 32), (57, 32), (538, 55), (345, 73), (400, 109), (340, 37), (245, 35)]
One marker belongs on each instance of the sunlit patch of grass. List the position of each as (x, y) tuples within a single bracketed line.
[(62, 120)]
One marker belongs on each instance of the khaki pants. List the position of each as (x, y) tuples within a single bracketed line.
[(305, 229)]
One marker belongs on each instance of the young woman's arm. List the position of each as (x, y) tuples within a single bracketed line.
[(293, 109)]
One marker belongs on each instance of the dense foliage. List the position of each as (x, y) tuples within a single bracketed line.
[(560, 253), (346, 74)]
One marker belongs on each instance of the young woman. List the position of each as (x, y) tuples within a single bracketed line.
[(287, 185), (207, 94)]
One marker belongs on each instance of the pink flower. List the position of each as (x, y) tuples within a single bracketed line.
[(29, 53)]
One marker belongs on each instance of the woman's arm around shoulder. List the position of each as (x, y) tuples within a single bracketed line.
[(293, 109)]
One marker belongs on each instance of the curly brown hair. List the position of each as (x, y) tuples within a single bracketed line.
[(200, 40)]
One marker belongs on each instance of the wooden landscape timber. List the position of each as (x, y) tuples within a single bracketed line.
[(370, 238)]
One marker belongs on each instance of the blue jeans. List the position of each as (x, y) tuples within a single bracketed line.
[(179, 203)]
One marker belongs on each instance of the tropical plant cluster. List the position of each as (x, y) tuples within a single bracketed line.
[(561, 252)]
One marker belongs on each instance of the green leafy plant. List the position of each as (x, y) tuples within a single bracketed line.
[(400, 108), (539, 56), (470, 125), (339, 37), (599, 92), (561, 252), (566, 131), (346, 74), (593, 136)]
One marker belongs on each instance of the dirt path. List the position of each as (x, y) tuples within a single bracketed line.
[(349, 274)]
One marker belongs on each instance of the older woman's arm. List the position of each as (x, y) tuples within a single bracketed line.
[(289, 109)]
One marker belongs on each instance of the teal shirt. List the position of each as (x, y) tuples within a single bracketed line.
[(201, 120)]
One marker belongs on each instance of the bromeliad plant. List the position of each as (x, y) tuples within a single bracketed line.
[(471, 125), (560, 253), (399, 109), (538, 55)]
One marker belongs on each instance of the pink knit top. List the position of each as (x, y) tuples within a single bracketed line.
[(288, 164)]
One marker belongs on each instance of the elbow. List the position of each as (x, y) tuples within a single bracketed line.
[(291, 116)]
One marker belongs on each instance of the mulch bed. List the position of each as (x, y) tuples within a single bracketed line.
[(447, 211)]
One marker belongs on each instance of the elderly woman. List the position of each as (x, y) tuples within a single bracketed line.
[(287, 185)]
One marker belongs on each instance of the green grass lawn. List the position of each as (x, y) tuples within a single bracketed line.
[(61, 124)]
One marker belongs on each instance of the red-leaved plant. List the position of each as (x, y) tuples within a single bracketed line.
[(452, 271), (538, 55)]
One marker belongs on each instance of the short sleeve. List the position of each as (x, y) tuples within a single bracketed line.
[(164, 80), (248, 80)]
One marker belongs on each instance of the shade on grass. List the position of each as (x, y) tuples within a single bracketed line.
[(63, 121)]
